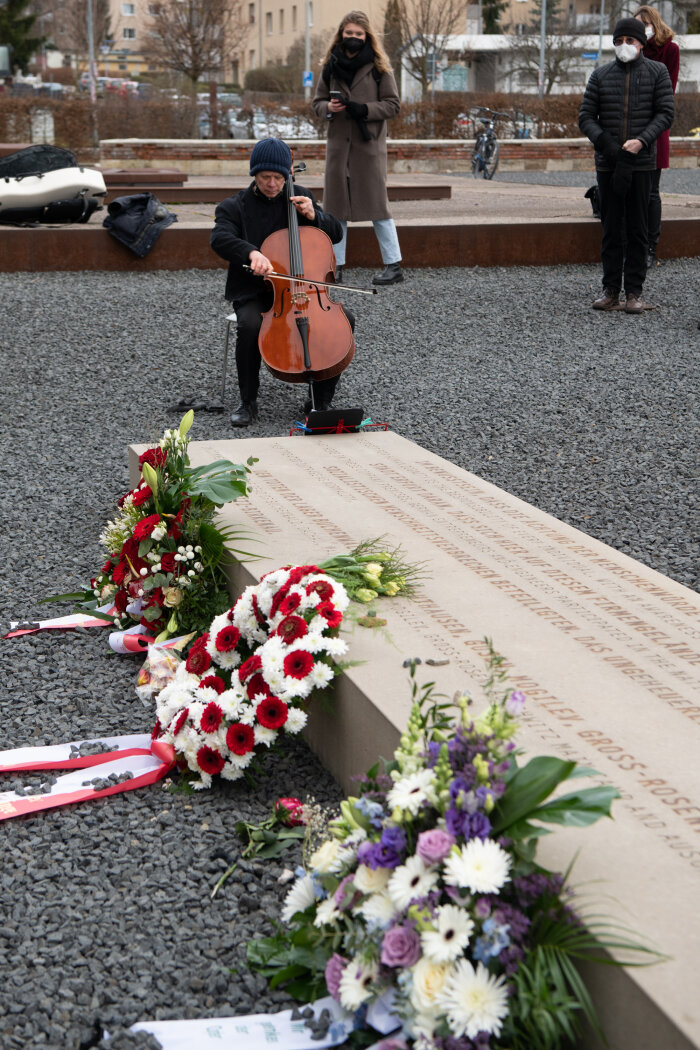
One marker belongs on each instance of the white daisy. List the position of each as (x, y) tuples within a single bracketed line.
[(453, 928), (356, 983), (481, 866), (473, 1000), (326, 912), (300, 896), (378, 911), (411, 881), (409, 793)]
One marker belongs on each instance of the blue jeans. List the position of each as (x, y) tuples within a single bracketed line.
[(385, 230)]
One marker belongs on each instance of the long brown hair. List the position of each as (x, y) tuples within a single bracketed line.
[(662, 32), (359, 18)]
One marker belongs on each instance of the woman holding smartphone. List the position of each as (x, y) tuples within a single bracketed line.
[(357, 93)]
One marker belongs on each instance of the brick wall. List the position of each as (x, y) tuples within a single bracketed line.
[(230, 156)]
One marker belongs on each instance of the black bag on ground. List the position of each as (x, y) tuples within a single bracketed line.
[(76, 209), (593, 196), (35, 160)]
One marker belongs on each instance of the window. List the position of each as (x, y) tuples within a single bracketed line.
[(128, 9), (251, 59), (268, 23), (251, 13), (281, 20), (129, 34), (294, 18), (154, 9)]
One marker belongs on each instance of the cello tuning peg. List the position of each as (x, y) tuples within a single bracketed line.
[(299, 167)]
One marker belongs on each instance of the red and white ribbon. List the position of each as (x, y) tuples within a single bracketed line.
[(57, 623), (145, 760)]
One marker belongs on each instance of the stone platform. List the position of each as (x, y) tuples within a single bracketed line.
[(604, 648)]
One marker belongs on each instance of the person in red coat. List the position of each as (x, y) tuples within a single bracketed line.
[(660, 47)]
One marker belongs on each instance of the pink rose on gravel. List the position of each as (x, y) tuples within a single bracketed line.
[(401, 946), (334, 971), (433, 846)]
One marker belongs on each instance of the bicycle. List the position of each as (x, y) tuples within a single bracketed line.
[(486, 149)]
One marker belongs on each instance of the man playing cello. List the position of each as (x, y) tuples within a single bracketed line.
[(242, 224)]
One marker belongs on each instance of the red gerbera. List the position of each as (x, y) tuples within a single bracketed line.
[(257, 685), (291, 628), (210, 760), (121, 600), (240, 738), (290, 603), (227, 639), (199, 643), (181, 719), (322, 588), (330, 614), (212, 681), (250, 666), (298, 574), (278, 599), (198, 661), (298, 663), (155, 457), (146, 526), (211, 718), (271, 712), (107, 566), (141, 495), (121, 571), (256, 610)]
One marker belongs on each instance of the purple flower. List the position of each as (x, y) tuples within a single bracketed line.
[(334, 971), (515, 703), (401, 946), (374, 856), (394, 838), (433, 846), (467, 825), (342, 898)]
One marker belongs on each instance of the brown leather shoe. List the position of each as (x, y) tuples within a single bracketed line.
[(609, 300), (634, 305)]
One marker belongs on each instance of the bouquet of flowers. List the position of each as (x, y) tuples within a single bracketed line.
[(372, 570), (426, 902), (164, 552), (251, 674)]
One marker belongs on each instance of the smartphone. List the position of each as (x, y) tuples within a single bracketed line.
[(336, 95)]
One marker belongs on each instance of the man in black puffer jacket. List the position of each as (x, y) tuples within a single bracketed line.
[(626, 106)]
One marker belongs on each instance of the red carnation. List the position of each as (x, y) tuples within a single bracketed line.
[(167, 561), (142, 495), (290, 603), (212, 681), (240, 738), (155, 457), (209, 760), (330, 614), (322, 588), (292, 628), (257, 685), (181, 719), (298, 663), (271, 712), (146, 526), (211, 717), (121, 600), (198, 661), (227, 639), (250, 666)]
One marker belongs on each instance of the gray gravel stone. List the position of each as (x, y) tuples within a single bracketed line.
[(106, 916)]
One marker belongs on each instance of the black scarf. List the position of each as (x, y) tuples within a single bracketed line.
[(344, 66)]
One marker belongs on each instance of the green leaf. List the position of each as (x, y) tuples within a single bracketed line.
[(527, 787), (69, 596), (144, 547), (212, 543), (578, 809)]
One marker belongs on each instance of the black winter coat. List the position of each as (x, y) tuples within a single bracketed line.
[(629, 100), (241, 225)]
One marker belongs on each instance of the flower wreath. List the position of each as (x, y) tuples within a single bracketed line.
[(250, 675)]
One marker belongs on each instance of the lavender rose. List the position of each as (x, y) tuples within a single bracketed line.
[(334, 971), (433, 846), (401, 947)]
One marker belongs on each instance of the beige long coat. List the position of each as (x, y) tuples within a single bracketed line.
[(355, 179)]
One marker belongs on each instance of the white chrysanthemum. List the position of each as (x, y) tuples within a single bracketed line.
[(335, 646), (205, 781), (356, 983), (371, 880), (428, 981), (231, 771), (185, 678), (296, 688), (411, 881), (300, 896), (328, 858), (453, 928), (296, 720), (230, 703), (481, 866), (272, 654), (473, 1001), (409, 793), (207, 694), (276, 680), (242, 761), (378, 911), (264, 736), (228, 660), (321, 674), (326, 913), (246, 714)]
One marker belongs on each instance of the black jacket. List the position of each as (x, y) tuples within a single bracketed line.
[(241, 225), (629, 100), (138, 221)]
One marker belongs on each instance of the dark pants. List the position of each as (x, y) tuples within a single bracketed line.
[(248, 356), (625, 232), (654, 211)]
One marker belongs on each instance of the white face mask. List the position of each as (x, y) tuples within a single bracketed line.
[(626, 52), (648, 32)]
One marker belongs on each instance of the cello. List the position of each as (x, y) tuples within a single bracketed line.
[(305, 335)]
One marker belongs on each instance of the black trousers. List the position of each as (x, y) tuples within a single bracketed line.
[(248, 356), (654, 211), (625, 232)]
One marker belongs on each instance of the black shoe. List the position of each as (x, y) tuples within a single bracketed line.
[(339, 275), (307, 406), (391, 274), (245, 414)]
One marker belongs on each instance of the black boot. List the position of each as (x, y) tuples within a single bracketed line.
[(391, 274), (339, 275), (245, 414)]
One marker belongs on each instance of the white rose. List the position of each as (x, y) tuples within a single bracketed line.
[(371, 880), (428, 981)]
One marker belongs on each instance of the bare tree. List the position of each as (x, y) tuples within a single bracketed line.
[(197, 37), (562, 49), (425, 27), (68, 22)]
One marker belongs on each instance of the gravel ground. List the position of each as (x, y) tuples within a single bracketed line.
[(105, 909)]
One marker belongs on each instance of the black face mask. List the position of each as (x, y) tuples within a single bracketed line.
[(353, 44)]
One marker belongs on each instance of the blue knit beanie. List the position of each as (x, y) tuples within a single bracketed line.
[(271, 155)]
